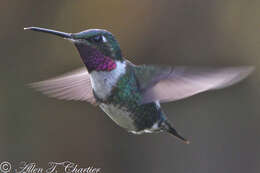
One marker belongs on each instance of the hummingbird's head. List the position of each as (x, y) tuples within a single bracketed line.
[(98, 48), (101, 40)]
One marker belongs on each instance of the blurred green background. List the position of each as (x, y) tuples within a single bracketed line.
[(223, 126)]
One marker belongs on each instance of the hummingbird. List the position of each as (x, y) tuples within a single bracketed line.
[(131, 94)]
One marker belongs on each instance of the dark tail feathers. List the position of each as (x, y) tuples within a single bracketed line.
[(172, 131)]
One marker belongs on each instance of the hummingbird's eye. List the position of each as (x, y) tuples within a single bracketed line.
[(97, 38)]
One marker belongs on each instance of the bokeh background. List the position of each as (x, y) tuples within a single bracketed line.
[(223, 126)]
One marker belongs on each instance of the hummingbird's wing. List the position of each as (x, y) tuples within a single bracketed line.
[(165, 84), (70, 86)]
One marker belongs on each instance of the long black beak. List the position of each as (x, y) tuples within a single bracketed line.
[(50, 31)]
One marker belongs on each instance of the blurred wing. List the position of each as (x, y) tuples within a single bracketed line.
[(177, 83), (75, 85)]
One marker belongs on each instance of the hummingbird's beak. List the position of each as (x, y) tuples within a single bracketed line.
[(50, 31)]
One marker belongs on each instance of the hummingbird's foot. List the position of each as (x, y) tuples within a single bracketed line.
[(167, 127)]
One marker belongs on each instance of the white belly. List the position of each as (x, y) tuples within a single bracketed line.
[(120, 116)]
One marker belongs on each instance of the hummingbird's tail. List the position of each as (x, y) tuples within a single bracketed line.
[(168, 127)]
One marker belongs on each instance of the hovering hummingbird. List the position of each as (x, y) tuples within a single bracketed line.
[(131, 94)]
